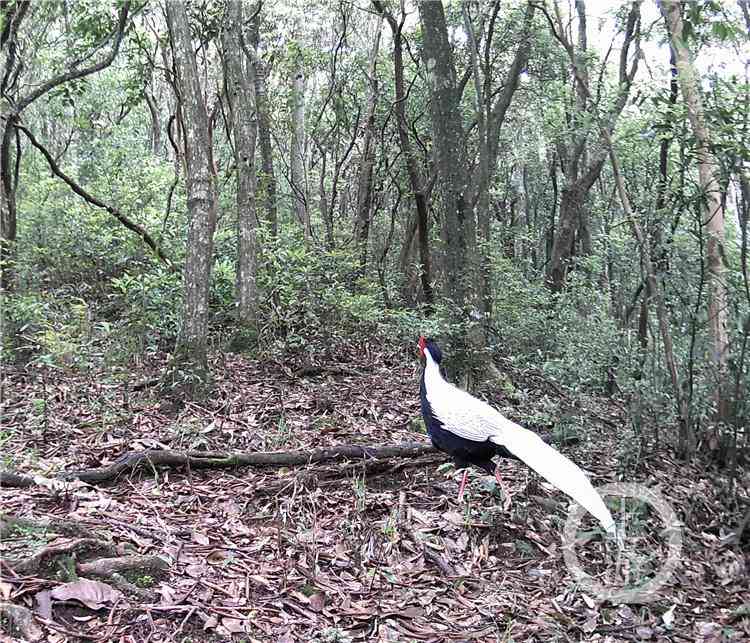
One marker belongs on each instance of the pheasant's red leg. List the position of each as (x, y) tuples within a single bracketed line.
[(506, 491), (462, 486)]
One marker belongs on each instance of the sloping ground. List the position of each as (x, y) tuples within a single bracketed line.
[(338, 552)]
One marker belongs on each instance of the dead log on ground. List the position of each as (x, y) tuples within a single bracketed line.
[(149, 459)]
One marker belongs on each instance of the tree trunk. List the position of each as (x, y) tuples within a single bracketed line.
[(267, 176), (297, 161), (155, 123), (364, 183), (190, 359), (580, 173), (687, 434), (412, 169), (241, 99), (459, 225), (713, 210), (8, 216)]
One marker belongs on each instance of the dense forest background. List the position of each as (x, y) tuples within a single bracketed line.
[(539, 181), (200, 199)]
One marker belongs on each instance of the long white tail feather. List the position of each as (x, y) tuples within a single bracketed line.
[(472, 419), (557, 469)]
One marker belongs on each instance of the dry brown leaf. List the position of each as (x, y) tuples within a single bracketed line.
[(44, 604), (233, 625), (217, 556), (195, 571), (92, 593), (318, 601), (454, 518), (6, 589), (590, 624)]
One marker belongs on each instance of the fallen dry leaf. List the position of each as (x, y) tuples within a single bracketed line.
[(92, 593), (233, 625), (318, 601), (6, 589)]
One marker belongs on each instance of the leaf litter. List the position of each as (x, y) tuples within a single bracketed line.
[(329, 553)]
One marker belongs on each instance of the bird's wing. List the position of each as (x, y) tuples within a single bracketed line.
[(556, 468), (463, 414)]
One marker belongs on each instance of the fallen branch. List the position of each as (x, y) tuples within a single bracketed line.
[(149, 459), (105, 567), (324, 477)]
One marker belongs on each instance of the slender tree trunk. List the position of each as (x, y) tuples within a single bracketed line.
[(687, 433), (482, 178), (410, 284), (297, 161), (8, 215), (241, 100), (267, 177), (155, 123), (412, 169), (364, 183), (713, 209), (572, 202), (580, 171), (190, 359), (659, 257)]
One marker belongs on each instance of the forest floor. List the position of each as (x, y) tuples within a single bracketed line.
[(335, 551)]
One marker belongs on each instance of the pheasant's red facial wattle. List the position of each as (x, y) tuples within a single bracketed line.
[(422, 345)]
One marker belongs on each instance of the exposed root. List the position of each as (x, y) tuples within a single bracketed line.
[(105, 567), (130, 589), (42, 563), (12, 524)]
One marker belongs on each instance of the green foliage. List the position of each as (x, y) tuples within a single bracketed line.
[(49, 327), (313, 294), (521, 313), (148, 305), (587, 338)]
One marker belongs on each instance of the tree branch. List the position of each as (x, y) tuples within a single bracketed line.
[(73, 74), (130, 225)]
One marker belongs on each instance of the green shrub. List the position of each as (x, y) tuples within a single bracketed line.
[(148, 306), (313, 294)]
